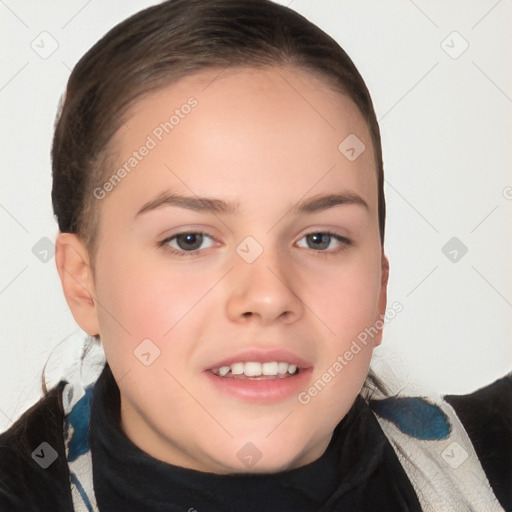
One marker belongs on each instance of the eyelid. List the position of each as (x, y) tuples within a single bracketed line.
[(327, 229), (341, 239), (174, 251)]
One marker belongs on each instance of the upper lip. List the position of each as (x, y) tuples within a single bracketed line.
[(262, 356)]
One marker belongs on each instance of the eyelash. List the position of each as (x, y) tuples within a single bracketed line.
[(164, 243)]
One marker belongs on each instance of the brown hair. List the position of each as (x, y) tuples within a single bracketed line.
[(160, 45)]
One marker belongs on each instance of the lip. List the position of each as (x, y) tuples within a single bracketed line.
[(260, 391), (263, 356), (265, 390)]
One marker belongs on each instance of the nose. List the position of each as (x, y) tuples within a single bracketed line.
[(263, 292)]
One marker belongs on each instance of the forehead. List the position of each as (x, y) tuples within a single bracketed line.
[(246, 134)]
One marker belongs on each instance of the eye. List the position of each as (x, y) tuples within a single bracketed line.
[(187, 243), (323, 240), (192, 242)]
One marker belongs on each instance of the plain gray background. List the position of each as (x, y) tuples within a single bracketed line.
[(441, 81)]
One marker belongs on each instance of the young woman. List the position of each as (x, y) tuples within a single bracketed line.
[(218, 184)]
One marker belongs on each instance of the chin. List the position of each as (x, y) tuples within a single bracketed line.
[(270, 467), (269, 459)]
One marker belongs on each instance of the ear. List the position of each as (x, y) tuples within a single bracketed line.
[(383, 295), (76, 276)]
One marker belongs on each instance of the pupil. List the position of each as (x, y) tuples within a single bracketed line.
[(189, 241), (319, 238)]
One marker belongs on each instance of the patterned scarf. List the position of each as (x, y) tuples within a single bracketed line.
[(425, 433)]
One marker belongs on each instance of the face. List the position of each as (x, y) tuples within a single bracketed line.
[(238, 260)]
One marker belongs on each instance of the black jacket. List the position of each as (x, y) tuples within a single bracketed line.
[(24, 486)]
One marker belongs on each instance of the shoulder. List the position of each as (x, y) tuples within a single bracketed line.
[(423, 430), (486, 415), (33, 465)]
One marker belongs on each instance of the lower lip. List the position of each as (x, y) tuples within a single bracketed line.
[(263, 391)]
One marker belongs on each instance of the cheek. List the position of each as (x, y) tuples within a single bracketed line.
[(144, 302), (350, 301), (146, 299), (348, 297)]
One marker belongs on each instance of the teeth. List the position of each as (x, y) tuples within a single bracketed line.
[(256, 369), (252, 369), (237, 368), (282, 368), (223, 370), (269, 368)]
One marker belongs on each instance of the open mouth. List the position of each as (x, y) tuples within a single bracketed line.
[(260, 377), (253, 370)]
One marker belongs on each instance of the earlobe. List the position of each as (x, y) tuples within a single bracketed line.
[(383, 296), (75, 273), (385, 271)]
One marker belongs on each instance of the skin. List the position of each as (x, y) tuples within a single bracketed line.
[(255, 140)]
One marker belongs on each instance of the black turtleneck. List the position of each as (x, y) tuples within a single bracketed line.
[(358, 471)]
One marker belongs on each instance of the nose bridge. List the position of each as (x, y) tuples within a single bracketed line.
[(262, 284)]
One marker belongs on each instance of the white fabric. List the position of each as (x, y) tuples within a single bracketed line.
[(446, 474)]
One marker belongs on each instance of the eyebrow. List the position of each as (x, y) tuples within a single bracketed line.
[(211, 205)]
